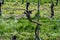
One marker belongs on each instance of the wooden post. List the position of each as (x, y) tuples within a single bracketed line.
[(37, 26), (52, 9), (0, 9), (28, 12), (1, 3), (14, 37)]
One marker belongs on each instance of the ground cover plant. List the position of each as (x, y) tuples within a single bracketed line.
[(14, 22)]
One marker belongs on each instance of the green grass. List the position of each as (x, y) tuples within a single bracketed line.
[(23, 29)]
